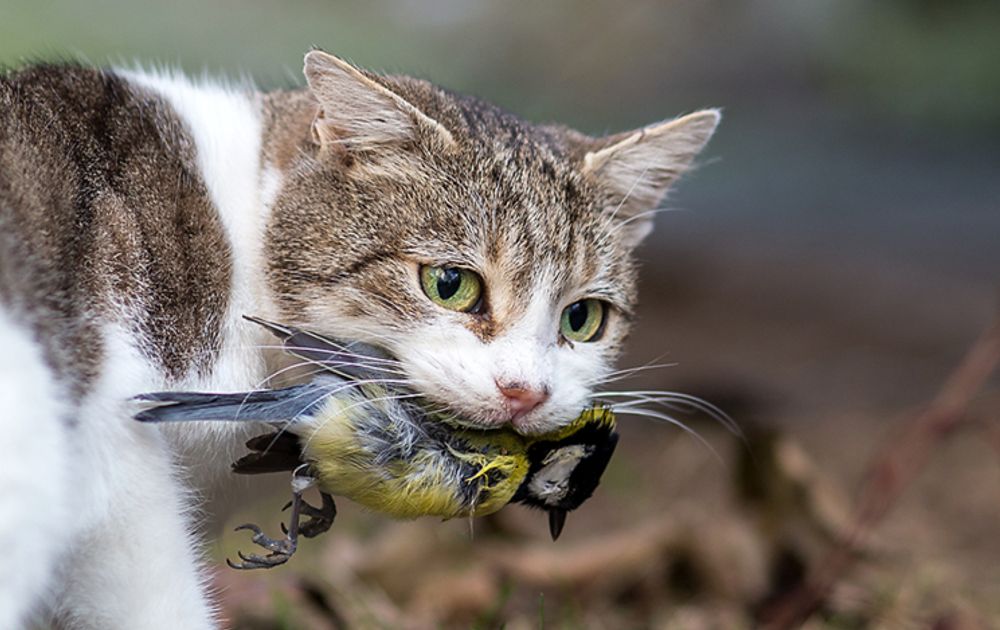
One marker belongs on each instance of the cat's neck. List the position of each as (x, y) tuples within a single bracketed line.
[(287, 121)]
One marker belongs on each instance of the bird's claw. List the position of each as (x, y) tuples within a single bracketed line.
[(260, 539), (280, 550)]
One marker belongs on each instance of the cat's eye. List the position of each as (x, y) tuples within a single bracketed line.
[(584, 320), (454, 288)]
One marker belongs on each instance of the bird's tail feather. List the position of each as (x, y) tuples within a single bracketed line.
[(273, 405)]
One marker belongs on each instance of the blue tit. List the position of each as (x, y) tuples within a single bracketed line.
[(354, 433)]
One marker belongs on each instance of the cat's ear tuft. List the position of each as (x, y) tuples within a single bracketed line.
[(638, 167), (356, 111)]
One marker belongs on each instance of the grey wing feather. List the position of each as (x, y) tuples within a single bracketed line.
[(274, 405), (354, 359)]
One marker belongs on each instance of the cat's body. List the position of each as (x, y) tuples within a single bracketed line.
[(142, 215)]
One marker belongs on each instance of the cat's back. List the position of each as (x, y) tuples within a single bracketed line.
[(77, 141), (103, 207), (64, 128)]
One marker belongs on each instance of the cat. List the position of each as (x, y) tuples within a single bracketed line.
[(142, 214)]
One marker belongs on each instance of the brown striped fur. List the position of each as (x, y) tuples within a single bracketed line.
[(102, 207)]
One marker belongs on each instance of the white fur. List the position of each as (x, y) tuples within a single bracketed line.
[(36, 491), (133, 564)]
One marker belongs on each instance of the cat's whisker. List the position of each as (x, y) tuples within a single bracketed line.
[(367, 333), (675, 400), (680, 402), (334, 390), (308, 367), (342, 350), (318, 367), (620, 375), (239, 410), (345, 351), (693, 402), (609, 380), (640, 216), (260, 386), (375, 381), (313, 369), (346, 365), (672, 406), (657, 415), (640, 368), (325, 340)]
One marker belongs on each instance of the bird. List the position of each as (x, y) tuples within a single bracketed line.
[(355, 431)]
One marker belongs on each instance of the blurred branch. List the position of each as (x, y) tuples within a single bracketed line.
[(990, 431), (892, 470)]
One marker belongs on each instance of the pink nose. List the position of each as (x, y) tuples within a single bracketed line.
[(520, 400)]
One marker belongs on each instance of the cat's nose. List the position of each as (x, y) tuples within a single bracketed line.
[(521, 399)]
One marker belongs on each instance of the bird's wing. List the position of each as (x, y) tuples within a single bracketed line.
[(353, 359), (272, 452)]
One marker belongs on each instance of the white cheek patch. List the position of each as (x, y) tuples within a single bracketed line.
[(525, 352), (451, 366)]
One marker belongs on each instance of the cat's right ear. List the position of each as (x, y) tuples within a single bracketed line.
[(637, 168), (357, 112)]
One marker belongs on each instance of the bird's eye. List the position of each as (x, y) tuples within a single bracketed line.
[(453, 288), (584, 320)]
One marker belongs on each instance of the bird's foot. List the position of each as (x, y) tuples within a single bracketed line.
[(281, 549), (320, 518)]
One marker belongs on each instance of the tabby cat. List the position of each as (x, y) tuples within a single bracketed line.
[(142, 214)]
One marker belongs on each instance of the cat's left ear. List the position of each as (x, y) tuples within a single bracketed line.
[(636, 168)]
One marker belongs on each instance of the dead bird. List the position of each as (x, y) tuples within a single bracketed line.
[(353, 432)]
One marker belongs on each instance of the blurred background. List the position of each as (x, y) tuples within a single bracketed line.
[(818, 277)]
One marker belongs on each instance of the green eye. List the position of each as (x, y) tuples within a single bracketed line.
[(583, 320), (453, 288)]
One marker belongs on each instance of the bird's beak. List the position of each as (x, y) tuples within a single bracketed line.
[(557, 519)]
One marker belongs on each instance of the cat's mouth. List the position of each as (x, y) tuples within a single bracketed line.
[(460, 420), (535, 422)]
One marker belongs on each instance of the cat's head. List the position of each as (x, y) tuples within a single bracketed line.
[(493, 257)]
